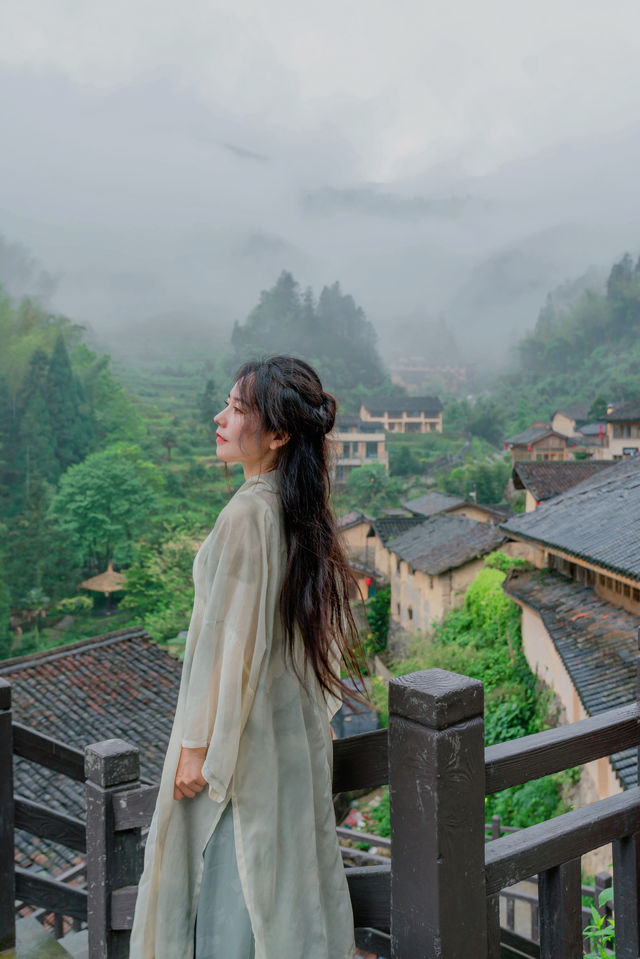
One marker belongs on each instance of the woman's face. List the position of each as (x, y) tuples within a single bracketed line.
[(238, 439)]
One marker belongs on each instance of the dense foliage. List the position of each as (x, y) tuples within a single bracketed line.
[(333, 334), (483, 640)]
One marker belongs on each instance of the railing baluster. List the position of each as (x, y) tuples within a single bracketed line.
[(560, 897), (511, 913), (113, 859), (7, 870), (493, 927), (535, 922), (626, 885)]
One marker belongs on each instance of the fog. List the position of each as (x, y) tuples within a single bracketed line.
[(436, 164)]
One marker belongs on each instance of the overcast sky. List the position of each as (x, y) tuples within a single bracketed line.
[(442, 157)]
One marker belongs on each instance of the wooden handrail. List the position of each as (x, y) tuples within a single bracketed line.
[(35, 818), (530, 757), (48, 752), (58, 897), (360, 762), (513, 858)]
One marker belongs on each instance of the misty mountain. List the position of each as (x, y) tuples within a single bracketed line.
[(157, 204)]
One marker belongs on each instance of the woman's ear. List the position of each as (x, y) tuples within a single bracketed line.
[(278, 440)]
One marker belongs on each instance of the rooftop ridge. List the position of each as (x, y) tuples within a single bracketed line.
[(68, 649)]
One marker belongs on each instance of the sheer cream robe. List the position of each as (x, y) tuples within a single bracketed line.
[(269, 753)]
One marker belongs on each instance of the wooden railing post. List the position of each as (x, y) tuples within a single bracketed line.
[(437, 790), (114, 859), (559, 892), (7, 869)]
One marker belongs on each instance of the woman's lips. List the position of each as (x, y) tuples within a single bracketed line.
[(220, 439)]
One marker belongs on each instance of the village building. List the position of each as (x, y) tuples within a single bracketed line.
[(569, 420), (432, 565), (434, 502), (538, 442), (542, 481), (355, 443), (623, 430), (404, 414), (581, 614)]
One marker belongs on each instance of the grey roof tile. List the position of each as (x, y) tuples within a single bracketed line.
[(547, 479), (123, 687), (432, 503), (596, 641), (598, 520), (445, 541)]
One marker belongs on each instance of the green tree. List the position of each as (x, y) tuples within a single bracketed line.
[(36, 440), (116, 417), (38, 554), (370, 487), (5, 611), (160, 582), (71, 421), (105, 502), (334, 334), (210, 403)]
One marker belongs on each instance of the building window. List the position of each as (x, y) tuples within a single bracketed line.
[(636, 595), (409, 612), (618, 586), (398, 608), (372, 451), (626, 590)]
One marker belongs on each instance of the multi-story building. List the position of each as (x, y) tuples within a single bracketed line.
[(404, 414), (355, 443), (623, 430)]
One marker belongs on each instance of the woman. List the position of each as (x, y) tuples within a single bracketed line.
[(242, 858)]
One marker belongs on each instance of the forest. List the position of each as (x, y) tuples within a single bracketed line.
[(107, 460), (112, 461)]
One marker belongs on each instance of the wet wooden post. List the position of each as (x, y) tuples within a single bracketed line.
[(626, 883), (7, 869), (559, 892), (437, 790), (114, 859)]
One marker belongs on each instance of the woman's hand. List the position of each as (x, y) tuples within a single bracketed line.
[(189, 779)]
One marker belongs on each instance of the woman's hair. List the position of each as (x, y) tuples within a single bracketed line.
[(287, 395)]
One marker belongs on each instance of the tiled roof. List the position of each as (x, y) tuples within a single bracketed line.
[(544, 480), (576, 411), (444, 542), (592, 429), (598, 520), (532, 435), (625, 412), (596, 641), (121, 687), (397, 405), (354, 518), (432, 503), (387, 527)]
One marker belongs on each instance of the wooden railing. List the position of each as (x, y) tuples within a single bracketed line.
[(438, 896)]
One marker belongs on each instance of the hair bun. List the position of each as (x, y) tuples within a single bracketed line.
[(327, 411)]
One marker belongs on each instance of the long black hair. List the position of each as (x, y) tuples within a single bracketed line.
[(287, 396)]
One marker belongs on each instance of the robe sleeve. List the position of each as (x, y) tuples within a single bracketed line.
[(242, 592)]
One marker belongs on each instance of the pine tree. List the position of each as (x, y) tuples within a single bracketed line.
[(36, 440), (70, 418)]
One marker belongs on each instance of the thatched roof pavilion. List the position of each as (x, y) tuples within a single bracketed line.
[(107, 582)]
